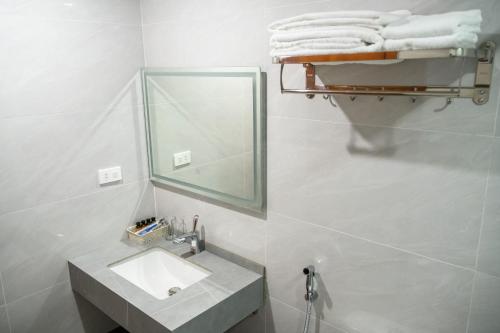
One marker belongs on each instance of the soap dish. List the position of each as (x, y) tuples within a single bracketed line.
[(148, 238)]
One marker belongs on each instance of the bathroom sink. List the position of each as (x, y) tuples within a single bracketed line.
[(216, 293), (159, 272)]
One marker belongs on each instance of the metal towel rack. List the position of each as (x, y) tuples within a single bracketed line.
[(479, 93)]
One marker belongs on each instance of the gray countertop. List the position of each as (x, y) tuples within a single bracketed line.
[(213, 304)]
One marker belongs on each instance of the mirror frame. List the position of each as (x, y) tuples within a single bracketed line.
[(258, 202)]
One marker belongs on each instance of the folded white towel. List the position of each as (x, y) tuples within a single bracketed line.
[(368, 16), (316, 51), (372, 31), (324, 41), (344, 42), (366, 35), (434, 25), (329, 22), (461, 39)]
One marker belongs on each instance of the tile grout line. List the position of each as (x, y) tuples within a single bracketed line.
[(155, 201), (57, 284), (97, 109), (496, 117), (483, 210), (141, 9), (377, 243), (469, 308), (75, 197), (351, 124), (480, 236), (140, 201), (303, 312), (144, 58), (3, 289), (5, 303)]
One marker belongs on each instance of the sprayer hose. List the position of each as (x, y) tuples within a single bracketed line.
[(308, 316)]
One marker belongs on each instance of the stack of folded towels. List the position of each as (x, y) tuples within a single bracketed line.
[(331, 32), (372, 31), (448, 30)]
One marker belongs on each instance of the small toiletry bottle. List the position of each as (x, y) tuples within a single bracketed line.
[(139, 225), (168, 226), (182, 227), (173, 225)]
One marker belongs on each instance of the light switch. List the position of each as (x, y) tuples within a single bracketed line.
[(109, 175), (182, 158)]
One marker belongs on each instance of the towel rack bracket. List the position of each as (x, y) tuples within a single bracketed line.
[(484, 72)]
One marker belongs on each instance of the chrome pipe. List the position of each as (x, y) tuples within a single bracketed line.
[(453, 92), (310, 294)]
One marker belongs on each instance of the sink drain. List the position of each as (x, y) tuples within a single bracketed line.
[(173, 290)]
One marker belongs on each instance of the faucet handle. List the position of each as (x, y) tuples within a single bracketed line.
[(195, 222)]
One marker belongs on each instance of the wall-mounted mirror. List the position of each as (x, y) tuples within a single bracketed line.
[(206, 132)]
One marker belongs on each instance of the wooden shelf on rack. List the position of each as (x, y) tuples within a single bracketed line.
[(376, 56)]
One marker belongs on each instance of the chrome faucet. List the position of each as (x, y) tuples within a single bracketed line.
[(192, 236)]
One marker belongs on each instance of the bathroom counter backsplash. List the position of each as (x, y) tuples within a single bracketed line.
[(210, 299)]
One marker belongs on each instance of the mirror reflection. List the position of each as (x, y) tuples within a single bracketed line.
[(204, 132)]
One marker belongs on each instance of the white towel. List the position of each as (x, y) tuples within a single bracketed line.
[(306, 51), (373, 18), (461, 39), (364, 34), (434, 25), (344, 42), (328, 23), (324, 41)]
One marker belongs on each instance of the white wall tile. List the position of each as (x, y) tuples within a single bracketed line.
[(51, 66), (34, 257), (210, 44), (489, 251), (49, 158), (208, 12), (4, 322), (363, 286), (283, 318), (145, 207), (485, 308), (116, 11), (56, 310), (419, 191), (2, 296)]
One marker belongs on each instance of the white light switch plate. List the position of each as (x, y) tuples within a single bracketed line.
[(109, 175), (182, 158)]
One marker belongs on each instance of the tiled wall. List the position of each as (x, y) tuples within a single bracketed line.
[(394, 203), (69, 104)]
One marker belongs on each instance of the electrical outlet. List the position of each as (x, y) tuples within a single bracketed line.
[(182, 158), (109, 175)]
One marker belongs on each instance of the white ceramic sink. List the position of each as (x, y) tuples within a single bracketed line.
[(157, 271)]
